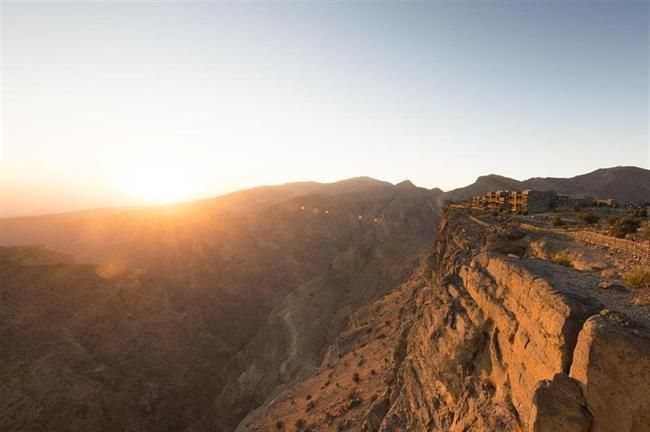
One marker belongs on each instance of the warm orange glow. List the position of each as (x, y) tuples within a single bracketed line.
[(157, 182)]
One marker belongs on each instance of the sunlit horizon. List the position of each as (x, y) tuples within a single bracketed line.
[(120, 104)]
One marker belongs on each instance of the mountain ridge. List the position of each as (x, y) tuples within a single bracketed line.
[(210, 315), (626, 184)]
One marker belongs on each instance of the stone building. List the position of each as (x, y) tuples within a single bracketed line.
[(498, 199), (608, 202), (526, 201), (538, 201)]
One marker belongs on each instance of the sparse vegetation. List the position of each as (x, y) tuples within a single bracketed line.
[(355, 377), (578, 207), (279, 425), (355, 400), (563, 260), (620, 227), (509, 248), (558, 222), (589, 218), (300, 424), (638, 278)]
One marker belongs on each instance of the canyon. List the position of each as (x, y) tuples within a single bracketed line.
[(358, 305)]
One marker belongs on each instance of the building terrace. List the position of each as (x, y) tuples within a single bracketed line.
[(526, 201)]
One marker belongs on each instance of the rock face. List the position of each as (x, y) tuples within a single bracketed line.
[(508, 343), (493, 342), (558, 405), (334, 311), (612, 365)]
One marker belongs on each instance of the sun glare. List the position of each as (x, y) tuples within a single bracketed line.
[(157, 184)]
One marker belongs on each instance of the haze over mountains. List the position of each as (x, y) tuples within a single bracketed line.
[(261, 279), (198, 316)]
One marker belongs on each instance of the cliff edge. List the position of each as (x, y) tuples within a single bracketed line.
[(487, 335)]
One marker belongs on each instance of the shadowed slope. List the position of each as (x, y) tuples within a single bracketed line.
[(265, 273)]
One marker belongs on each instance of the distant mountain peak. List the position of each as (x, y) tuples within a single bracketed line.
[(626, 184), (405, 183)]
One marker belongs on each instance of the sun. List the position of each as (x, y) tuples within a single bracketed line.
[(157, 183)]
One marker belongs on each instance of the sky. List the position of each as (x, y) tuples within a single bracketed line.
[(123, 103)]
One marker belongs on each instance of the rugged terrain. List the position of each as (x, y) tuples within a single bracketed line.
[(345, 306), (245, 290), (624, 184), (94, 348), (487, 334)]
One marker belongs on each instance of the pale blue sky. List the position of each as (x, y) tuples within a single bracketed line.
[(102, 99)]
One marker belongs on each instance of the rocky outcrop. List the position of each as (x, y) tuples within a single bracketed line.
[(328, 312), (612, 366), (491, 337), (558, 406), (511, 343)]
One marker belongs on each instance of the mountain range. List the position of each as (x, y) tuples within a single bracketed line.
[(204, 316), (624, 184)]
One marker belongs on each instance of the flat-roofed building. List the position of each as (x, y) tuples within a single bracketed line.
[(525, 201)]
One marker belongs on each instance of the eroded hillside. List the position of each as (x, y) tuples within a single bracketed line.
[(243, 294), (486, 335), (328, 311), (96, 348)]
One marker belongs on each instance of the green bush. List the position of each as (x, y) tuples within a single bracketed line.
[(562, 260), (638, 278), (589, 218), (622, 227)]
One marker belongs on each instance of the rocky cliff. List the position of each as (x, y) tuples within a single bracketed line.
[(507, 342), (484, 336), (334, 311)]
